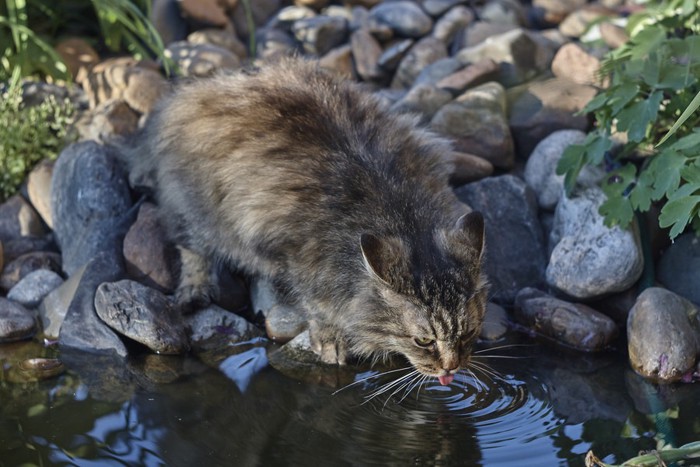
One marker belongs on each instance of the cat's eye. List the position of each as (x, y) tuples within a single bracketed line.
[(424, 342)]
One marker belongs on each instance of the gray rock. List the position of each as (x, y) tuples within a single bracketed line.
[(476, 121), (18, 268), (32, 289), (168, 20), (572, 324), (108, 122), (283, 323), (287, 16), (274, 43), (18, 218), (679, 267), (90, 203), (546, 107), (438, 70), (366, 52), (320, 34), (390, 59), (540, 169), (142, 314), (590, 259), (404, 17), (455, 20), (16, 322), (424, 52), (504, 12), (22, 245), (214, 327), (201, 59), (479, 31), (53, 308), (467, 168), (663, 332), (515, 250), (436, 8), (81, 328), (424, 100), (222, 38), (495, 323), (469, 76), (339, 61)]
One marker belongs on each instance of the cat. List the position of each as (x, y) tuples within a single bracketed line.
[(293, 174)]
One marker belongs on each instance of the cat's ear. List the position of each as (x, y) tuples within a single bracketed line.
[(382, 256), (468, 235)]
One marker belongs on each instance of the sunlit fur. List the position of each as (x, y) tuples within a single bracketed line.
[(298, 176)]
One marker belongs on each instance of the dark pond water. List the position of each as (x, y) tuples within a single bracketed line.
[(544, 408)]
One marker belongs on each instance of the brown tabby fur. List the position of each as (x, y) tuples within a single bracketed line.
[(300, 177)]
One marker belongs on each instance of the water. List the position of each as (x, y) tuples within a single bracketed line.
[(545, 408)]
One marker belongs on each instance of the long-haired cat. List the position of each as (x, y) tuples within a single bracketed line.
[(293, 174)]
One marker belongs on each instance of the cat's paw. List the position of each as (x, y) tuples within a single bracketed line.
[(192, 297), (328, 344)]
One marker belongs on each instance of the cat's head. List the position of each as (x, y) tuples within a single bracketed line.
[(430, 295)]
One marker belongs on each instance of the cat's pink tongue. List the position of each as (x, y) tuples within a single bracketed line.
[(445, 379)]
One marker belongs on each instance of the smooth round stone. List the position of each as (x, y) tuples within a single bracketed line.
[(201, 59), (33, 287), (18, 268), (35, 369), (16, 322), (404, 17), (214, 327), (283, 323)]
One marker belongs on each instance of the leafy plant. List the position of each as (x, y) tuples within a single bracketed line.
[(29, 134), (647, 134)]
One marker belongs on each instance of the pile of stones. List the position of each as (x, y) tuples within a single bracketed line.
[(84, 261)]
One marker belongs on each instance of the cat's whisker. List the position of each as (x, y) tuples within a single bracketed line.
[(416, 384), (370, 377), (481, 366), (510, 357), (386, 387), (404, 385), (500, 347), (479, 385)]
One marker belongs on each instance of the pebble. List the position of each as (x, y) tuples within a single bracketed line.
[(39, 189), (663, 332), (467, 168), (679, 267), (471, 75), (23, 245), (213, 327), (27, 263), (479, 31), (614, 36), (572, 324), (578, 22), (572, 62), (201, 59), (33, 287), (510, 216), (142, 314), (109, 121), (225, 39), (283, 323), (16, 322), (503, 12), (476, 121), (404, 17), (437, 8), (451, 23), (320, 34), (78, 55), (18, 218), (590, 259), (339, 61), (554, 11), (390, 59), (209, 12), (423, 53), (365, 53), (424, 100)]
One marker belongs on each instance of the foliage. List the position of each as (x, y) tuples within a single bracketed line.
[(652, 459), (29, 134), (26, 27), (651, 106)]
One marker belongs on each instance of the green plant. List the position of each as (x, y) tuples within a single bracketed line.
[(647, 135), (29, 134), (27, 28)]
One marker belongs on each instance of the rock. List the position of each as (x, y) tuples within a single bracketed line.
[(572, 62), (16, 323), (149, 258), (366, 52), (81, 328), (145, 87), (495, 323), (108, 122), (32, 370), (503, 12), (437, 70), (476, 121), (423, 99), (320, 34), (578, 22), (423, 53), (469, 76), (554, 11), (53, 308), (572, 324), (20, 267), (33, 287), (479, 31), (214, 327), (540, 169), (39, 189), (287, 16), (201, 59), (260, 10), (283, 323), (546, 107), (679, 266), (168, 21), (262, 296), (90, 203), (339, 61), (23, 245), (468, 168), (404, 17), (589, 259), (274, 43), (663, 332), (77, 54), (315, 4), (510, 215), (613, 35), (208, 12), (455, 20), (142, 314), (390, 59), (521, 55), (2, 257), (436, 8), (18, 218), (221, 38)]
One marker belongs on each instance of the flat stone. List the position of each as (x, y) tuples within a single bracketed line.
[(219, 37), (509, 208), (54, 307), (476, 121), (495, 323), (404, 17), (679, 267), (201, 59), (366, 52), (577, 22), (504, 12), (572, 62), (436, 8), (590, 259), (468, 168), (424, 52), (470, 76), (18, 218), (283, 323), (390, 59), (479, 31), (663, 332), (20, 267), (33, 287), (320, 34), (39, 189), (437, 71), (214, 327), (23, 245), (339, 61), (572, 324), (451, 23), (204, 11), (424, 100), (16, 322), (142, 314), (90, 203)]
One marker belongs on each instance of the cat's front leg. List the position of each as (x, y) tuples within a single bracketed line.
[(328, 342), (198, 281)]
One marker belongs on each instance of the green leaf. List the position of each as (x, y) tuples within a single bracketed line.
[(666, 167), (647, 40), (694, 104), (635, 119), (617, 211), (678, 213), (622, 95), (570, 165)]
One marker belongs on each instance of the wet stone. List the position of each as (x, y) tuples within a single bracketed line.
[(283, 323), (663, 332), (214, 327), (17, 269), (572, 324), (495, 323), (320, 34), (23, 245), (35, 369), (679, 267), (32, 289), (142, 314), (404, 17), (16, 322)]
